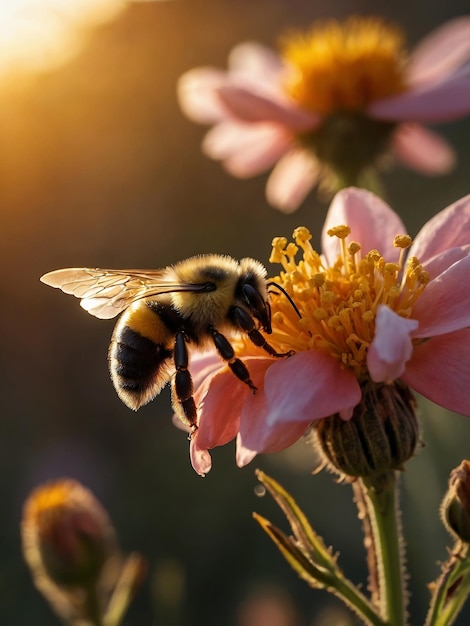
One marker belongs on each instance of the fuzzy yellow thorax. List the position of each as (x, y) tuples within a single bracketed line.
[(345, 66)]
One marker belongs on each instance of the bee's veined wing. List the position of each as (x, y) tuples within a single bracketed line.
[(106, 293)]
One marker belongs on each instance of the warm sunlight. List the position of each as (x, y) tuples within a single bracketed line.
[(40, 34)]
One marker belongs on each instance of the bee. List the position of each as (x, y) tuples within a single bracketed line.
[(192, 304)]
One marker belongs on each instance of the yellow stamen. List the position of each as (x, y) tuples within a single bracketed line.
[(338, 303), (345, 66)]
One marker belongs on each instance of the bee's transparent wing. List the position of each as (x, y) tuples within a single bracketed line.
[(106, 293)]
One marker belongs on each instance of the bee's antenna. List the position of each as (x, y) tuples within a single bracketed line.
[(294, 306)]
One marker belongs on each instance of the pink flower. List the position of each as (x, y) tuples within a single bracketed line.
[(367, 314), (335, 102)]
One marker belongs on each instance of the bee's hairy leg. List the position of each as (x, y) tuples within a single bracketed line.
[(225, 350), (183, 383), (246, 323), (193, 431)]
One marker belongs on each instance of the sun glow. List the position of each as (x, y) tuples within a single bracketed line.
[(42, 34)]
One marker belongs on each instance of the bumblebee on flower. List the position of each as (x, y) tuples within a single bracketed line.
[(332, 104), (375, 308)]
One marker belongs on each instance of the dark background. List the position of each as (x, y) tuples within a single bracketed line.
[(98, 167)]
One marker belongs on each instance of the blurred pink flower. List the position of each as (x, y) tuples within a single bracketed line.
[(367, 314), (334, 102)]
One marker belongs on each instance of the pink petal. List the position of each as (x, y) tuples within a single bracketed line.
[(243, 455), (391, 347), (218, 422), (439, 263), (440, 370), (423, 150), (203, 365), (309, 385), (275, 441), (441, 52), (197, 95), (258, 435), (292, 179), (254, 62), (200, 459), (246, 150), (373, 224), (444, 305), (220, 400), (448, 229), (297, 391), (437, 102), (248, 106)]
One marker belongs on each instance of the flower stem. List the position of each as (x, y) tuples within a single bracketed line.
[(92, 606), (351, 596), (380, 495)]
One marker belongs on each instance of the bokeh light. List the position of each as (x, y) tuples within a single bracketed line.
[(42, 34)]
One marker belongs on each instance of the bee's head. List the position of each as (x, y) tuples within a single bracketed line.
[(251, 291)]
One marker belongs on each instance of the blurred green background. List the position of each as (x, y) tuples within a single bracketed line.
[(98, 167)]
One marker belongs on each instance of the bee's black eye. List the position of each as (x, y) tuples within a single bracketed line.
[(257, 305), (253, 297)]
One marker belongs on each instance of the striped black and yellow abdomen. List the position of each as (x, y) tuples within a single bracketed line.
[(141, 352)]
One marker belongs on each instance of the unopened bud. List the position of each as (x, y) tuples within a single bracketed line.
[(381, 435), (455, 509), (67, 536)]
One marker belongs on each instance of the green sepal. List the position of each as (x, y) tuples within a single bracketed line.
[(311, 543), (293, 554), (310, 558), (451, 589), (130, 578)]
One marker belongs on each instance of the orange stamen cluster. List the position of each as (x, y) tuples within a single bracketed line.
[(338, 303)]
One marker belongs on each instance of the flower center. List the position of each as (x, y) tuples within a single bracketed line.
[(338, 304), (346, 66)]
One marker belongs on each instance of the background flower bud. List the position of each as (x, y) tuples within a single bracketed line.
[(66, 533), (455, 509)]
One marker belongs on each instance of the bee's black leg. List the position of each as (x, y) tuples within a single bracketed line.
[(224, 348), (182, 389), (246, 323)]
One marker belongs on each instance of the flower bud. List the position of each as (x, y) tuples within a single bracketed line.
[(455, 509), (381, 435), (67, 536)]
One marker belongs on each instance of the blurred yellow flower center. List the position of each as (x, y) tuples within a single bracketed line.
[(338, 303), (345, 66), (48, 500)]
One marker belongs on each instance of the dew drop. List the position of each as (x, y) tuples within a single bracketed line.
[(260, 490)]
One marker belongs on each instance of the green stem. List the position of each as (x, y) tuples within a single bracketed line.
[(92, 606), (451, 590), (369, 542), (351, 596), (381, 499)]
